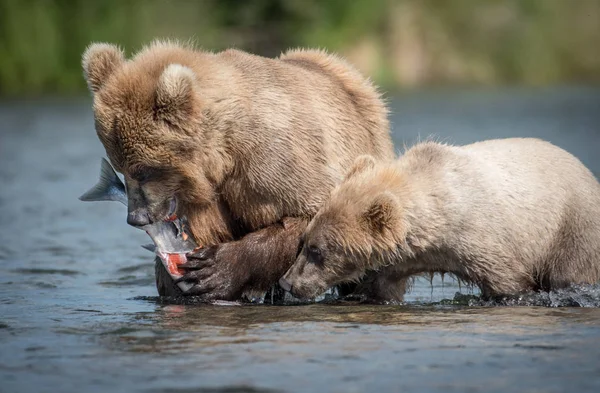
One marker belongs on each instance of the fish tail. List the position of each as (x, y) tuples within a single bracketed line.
[(102, 190)]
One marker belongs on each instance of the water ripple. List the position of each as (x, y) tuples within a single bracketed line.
[(62, 272)]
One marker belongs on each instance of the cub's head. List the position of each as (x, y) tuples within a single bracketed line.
[(350, 233), (149, 117)]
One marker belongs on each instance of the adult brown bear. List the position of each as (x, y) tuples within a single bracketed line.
[(246, 147)]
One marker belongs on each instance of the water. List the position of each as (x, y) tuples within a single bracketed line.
[(78, 312)]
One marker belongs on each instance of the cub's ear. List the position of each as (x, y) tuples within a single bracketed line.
[(99, 61), (175, 93), (382, 214), (360, 165)]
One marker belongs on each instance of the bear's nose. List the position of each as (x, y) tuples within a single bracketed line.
[(285, 284), (138, 218)]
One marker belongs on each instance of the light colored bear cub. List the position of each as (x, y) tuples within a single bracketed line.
[(508, 215)]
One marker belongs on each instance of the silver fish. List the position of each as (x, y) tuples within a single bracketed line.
[(171, 241)]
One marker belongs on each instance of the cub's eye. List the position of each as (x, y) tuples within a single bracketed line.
[(314, 254)]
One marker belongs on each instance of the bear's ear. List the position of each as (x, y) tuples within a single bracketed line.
[(99, 61), (382, 213), (360, 165), (175, 93)]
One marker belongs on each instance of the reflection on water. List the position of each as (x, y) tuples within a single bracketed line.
[(78, 310)]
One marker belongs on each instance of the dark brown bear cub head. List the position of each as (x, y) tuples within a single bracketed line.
[(351, 234), (148, 115)]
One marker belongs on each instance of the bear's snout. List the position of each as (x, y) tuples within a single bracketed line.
[(138, 218)]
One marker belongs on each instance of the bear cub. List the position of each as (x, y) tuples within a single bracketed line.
[(508, 215)]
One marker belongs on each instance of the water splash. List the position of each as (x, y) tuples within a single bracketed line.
[(573, 296)]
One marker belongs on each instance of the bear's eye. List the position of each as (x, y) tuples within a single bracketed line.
[(314, 254), (146, 174)]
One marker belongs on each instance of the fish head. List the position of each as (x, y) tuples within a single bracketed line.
[(170, 237)]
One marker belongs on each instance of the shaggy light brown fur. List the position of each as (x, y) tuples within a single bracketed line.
[(508, 215), (241, 141)]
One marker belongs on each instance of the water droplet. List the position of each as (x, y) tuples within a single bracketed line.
[(442, 274)]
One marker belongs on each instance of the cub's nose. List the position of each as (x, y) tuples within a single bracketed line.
[(138, 218), (285, 284)]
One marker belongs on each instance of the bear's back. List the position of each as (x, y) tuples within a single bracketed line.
[(306, 114), (543, 203), (536, 166)]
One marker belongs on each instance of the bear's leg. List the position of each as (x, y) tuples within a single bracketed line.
[(253, 263), (383, 286)]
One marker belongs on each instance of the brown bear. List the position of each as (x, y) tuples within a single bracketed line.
[(246, 148), (508, 215)]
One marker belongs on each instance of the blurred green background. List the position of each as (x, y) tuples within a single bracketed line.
[(399, 43)]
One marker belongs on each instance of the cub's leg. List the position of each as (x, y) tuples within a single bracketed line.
[(384, 285)]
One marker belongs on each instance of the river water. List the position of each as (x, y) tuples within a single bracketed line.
[(78, 310)]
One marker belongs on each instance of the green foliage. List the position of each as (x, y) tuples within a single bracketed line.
[(397, 42)]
